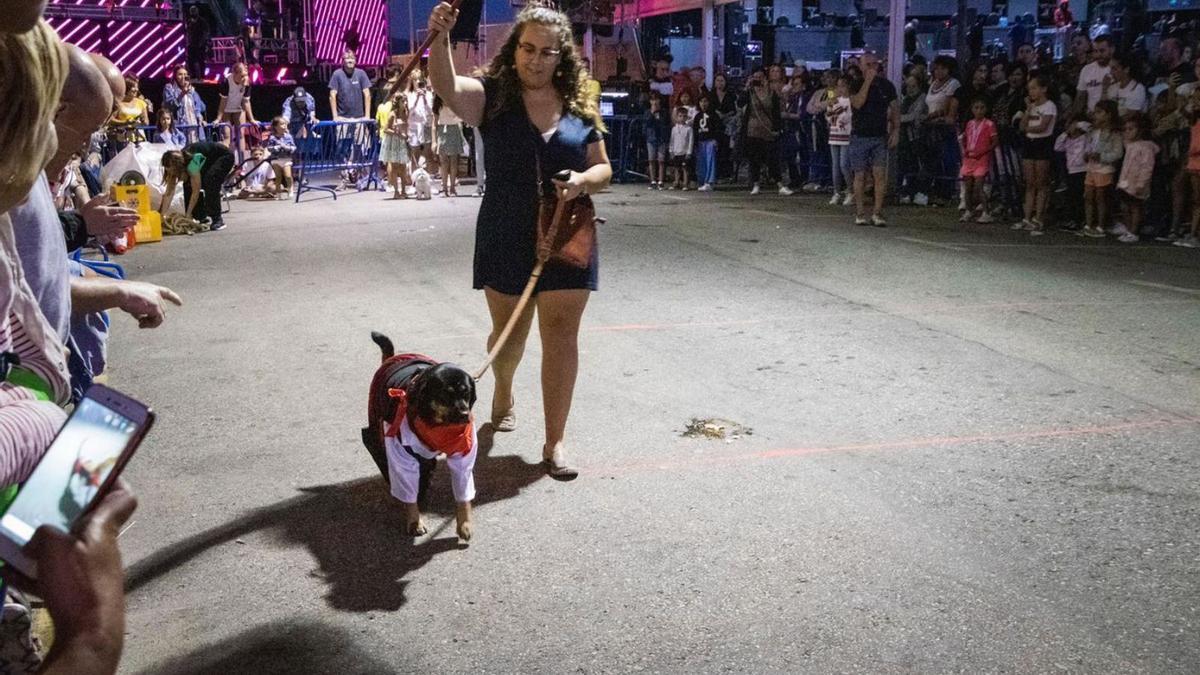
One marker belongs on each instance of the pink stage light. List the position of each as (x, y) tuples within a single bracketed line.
[(141, 48), (332, 18), (281, 75)]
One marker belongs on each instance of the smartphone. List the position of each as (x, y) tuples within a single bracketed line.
[(78, 469)]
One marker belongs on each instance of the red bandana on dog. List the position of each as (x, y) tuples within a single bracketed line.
[(451, 439)]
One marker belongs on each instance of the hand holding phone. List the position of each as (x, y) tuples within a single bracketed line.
[(78, 470)]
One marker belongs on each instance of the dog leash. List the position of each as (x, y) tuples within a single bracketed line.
[(544, 250)]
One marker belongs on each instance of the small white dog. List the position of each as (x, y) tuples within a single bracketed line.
[(422, 184)]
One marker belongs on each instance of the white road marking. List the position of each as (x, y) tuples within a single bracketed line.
[(1165, 287), (935, 244)]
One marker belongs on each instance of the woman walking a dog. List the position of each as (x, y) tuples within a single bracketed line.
[(535, 117)]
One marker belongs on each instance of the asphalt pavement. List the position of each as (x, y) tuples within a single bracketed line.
[(964, 449)]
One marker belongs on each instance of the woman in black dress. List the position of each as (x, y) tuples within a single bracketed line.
[(531, 107)]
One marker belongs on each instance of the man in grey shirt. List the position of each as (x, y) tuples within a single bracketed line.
[(349, 91)]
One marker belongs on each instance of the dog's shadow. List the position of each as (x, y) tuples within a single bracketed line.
[(355, 530)]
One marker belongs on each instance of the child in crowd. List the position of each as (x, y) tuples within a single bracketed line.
[(392, 117), (818, 104), (166, 132), (260, 182), (979, 140), (686, 102), (682, 144), (281, 148), (1193, 170), (1133, 186), (448, 144), (1103, 152), (656, 125), (1038, 126), (1072, 144), (838, 113), (1171, 124), (420, 123), (705, 130)]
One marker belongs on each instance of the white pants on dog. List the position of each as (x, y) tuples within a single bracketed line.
[(405, 473)]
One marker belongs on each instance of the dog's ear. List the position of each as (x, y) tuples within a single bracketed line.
[(471, 383)]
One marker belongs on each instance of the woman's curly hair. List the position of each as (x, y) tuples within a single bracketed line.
[(32, 73), (570, 79)]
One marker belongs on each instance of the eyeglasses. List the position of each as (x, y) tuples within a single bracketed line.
[(531, 51)]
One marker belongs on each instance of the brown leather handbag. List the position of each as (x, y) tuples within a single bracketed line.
[(566, 229), (574, 238)]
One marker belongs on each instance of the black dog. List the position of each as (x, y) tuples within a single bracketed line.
[(438, 394)]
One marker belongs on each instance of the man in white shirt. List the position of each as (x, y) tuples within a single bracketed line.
[(1092, 77)]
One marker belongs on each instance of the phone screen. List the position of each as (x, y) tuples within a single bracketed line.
[(71, 473)]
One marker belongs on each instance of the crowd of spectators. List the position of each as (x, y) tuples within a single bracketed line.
[(53, 341), (1111, 132)]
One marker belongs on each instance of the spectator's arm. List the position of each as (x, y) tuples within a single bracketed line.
[(366, 101), (860, 97), (171, 96), (248, 110), (893, 123), (1060, 143), (816, 104), (333, 102), (199, 105), (951, 112), (220, 108), (145, 302), (287, 109)]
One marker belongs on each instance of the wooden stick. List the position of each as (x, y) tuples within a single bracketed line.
[(416, 57)]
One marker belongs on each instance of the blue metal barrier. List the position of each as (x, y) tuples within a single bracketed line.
[(349, 149)]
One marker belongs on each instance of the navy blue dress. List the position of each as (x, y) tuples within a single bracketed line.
[(506, 232)]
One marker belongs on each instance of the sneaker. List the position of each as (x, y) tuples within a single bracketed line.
[(985, 218), (962, 205), (1167, 238), (836, 200), (217, 226), (811, 187), (685, 188), (707, 187), (965, 217), (1094, 232), (479, 191), (878, 221), (652, 186), (859, 220), (754, 190), (906, 200), (849, 200), (1031, 225), (1037, 231), (786, 191), (1117, 229), (1129, 238), (921, 199), (1024, 224), (1187, 242), (672, 187)]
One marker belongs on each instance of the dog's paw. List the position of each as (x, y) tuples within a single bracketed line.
[(417, 528), (464, 531)]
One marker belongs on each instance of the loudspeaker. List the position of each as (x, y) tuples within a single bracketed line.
[(466, 29)]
